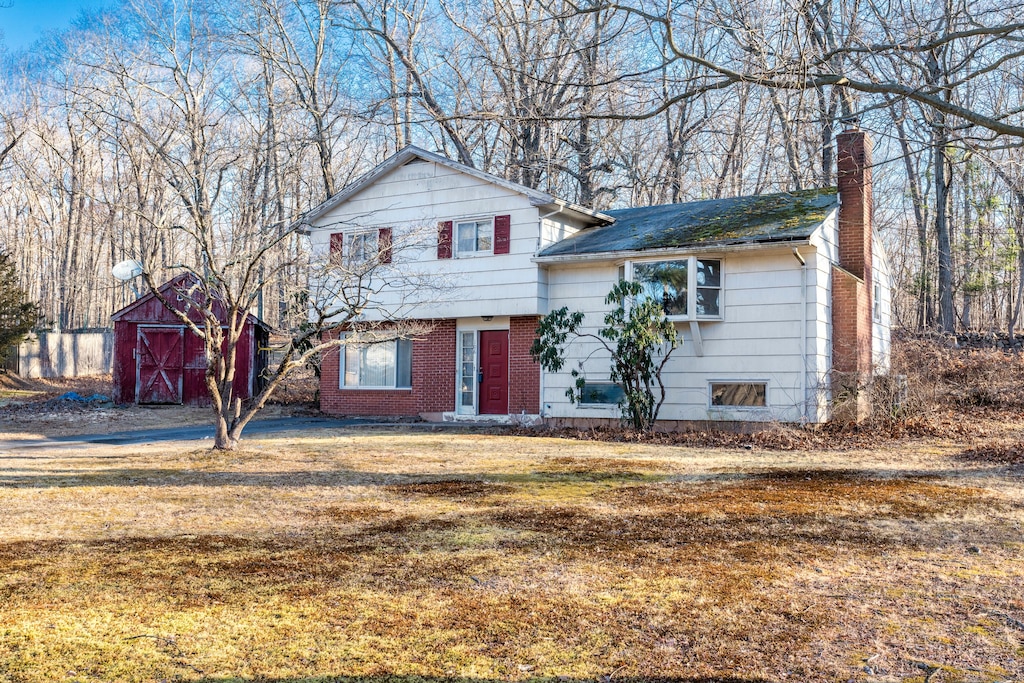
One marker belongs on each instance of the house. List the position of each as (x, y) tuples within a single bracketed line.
[(782, 301), (158, 360)]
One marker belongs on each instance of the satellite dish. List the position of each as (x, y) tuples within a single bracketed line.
[(126, 270)]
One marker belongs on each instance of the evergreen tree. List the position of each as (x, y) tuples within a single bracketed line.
[(17, 316)]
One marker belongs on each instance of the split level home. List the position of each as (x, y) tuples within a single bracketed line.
[(781, 301)]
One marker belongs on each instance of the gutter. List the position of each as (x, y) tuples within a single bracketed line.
[(717, 248)]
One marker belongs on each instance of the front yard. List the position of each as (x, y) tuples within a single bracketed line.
[(399, 555)]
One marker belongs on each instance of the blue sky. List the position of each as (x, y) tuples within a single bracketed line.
[(23, 21)]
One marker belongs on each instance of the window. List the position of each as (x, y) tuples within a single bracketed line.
[(601, 393), (468, 373), (876, 304), (670, 282), (474, 236), (362, 246), (739, 394), (385, 365)]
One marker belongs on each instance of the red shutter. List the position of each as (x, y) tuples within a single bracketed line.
[(444, 239), (337, 240), (384, 244), (502, 234)]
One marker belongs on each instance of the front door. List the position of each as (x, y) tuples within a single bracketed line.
[(494, 372), (160, 355)]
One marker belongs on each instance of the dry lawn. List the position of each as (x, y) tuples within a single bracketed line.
[(420, 554)]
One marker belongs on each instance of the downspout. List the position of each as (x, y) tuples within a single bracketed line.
[(803, 335), (540, 235)]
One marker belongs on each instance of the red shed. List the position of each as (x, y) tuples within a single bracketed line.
[(158, 360)]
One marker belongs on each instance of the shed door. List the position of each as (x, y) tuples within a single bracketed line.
[(494, 372), (160, 357)]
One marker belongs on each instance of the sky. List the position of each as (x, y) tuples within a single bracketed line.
[(24, 21)]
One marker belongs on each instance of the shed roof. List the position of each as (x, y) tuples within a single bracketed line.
[(741, 220), (169, 288)]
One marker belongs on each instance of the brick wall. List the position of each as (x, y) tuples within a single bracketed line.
[(433, 381), (433, 377), (524, 372)]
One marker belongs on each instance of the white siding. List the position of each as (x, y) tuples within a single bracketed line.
[(759, 339), (881, 341), (412, 200), (825, 242)]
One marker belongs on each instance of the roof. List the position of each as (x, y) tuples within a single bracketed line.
[(411, 152), (167, 289), (717, 222)]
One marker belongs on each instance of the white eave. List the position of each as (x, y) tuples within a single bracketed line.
[(407, 154)]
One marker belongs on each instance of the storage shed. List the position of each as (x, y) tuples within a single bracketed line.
[(158, 360)]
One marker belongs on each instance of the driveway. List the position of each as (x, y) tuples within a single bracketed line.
[(189, 433)]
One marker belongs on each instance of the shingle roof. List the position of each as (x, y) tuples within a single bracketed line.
[(761, 218)]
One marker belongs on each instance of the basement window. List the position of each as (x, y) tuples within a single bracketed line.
[(601, 393), (739, 394)]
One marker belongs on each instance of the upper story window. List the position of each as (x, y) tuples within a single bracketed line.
[(671, 283), (474, 237), (361, 247)]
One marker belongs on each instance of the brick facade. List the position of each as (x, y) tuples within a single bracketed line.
[(433, 377), (524, 372), (433, 381)]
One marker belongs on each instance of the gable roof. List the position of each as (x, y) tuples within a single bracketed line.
[(411, 152), (179, 282), (716, 222)]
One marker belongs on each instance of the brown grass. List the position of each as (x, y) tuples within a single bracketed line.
[(388, 555)]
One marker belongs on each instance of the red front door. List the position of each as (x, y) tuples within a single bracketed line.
[(160, 357), (494, 372)]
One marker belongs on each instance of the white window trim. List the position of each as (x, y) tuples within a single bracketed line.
[(459, 253), (691, 285), (361, 387), (767, 394)]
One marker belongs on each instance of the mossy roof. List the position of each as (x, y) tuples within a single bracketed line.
[(740, 220)]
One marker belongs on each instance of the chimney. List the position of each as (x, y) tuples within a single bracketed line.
[(852, 280), (853, 161)]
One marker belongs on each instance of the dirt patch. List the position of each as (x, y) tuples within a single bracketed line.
[(450, 488)]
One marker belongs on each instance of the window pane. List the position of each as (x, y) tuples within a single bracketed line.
[(404, 371), (739, 394), (601, 392), (467, 237), (709, 273), (483, 236), (664, 281), (377, 368), (351, 366), (707, 301)]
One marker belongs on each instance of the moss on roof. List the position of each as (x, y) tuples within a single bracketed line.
[(761, 218)]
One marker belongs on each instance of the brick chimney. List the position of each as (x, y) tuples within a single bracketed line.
[(852, 280)]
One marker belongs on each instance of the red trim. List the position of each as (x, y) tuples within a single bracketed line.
[(384, 244), (337, 244), (444, 239), (502, 234)]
